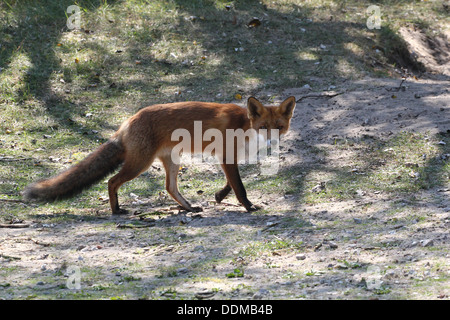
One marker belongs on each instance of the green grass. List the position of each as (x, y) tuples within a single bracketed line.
[(257, 248), (406, 163)]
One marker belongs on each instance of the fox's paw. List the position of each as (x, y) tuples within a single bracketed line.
[(190, 209), (197, 209), (120, 212), (253, 207)]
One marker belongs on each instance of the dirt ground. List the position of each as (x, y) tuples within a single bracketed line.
[(354, 249)]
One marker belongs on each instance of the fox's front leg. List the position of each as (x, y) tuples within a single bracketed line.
[(234, 181), (220, 195)]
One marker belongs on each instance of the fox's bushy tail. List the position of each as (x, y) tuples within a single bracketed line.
[(92, 169)]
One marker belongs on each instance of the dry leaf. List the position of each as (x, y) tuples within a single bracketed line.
[(255, 22)]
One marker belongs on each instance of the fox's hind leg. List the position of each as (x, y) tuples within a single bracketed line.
[(172, 186), (130, 170), (220, 195)]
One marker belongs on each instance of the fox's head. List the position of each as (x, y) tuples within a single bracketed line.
[(265, 118)]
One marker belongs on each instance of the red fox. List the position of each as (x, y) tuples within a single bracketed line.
[(146, 136)]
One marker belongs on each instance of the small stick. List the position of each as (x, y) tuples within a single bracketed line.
[(224, 203), (11, 200), (322, 95), (14, 225)]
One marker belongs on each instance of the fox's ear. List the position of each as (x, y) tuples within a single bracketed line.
[(254, 108), (287, 107)]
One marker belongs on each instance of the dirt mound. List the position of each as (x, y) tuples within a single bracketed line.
[(433, 52)]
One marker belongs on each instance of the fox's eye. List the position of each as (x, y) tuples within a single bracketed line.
[(262, 127)]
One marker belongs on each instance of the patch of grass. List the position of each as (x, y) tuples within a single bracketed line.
[(351, 265), (237, 273), (382, 290), (258, 248), (169, 272), (406, 163)]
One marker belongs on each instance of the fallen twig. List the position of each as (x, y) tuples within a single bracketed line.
[(10, 159), (156, 212), (11, 200), (44, 244), (399, 87), (133, 226), (224, 203), (270, 226), (322, 95), (14, 225), (4, 256)]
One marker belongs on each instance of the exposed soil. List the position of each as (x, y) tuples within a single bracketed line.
[(433, 52)]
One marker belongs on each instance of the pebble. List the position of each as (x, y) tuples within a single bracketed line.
[(427, 243), (182, 270), (205, 294), (333, 245), (341, 266), (300, 256), (199, 248), (391, 274), (260, 294)]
